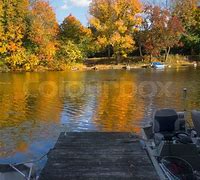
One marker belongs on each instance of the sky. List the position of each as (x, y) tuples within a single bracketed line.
[(78, 8)]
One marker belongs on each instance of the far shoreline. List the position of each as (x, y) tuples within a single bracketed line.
[(98, 64)]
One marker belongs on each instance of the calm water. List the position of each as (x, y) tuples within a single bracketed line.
[(36, 107)]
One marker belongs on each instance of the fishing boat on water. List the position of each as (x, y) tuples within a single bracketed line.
[(157, 65), (173, 148)]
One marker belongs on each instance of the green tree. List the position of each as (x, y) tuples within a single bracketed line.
[(114, 22), (69, 53), (196, 31), (187, 12)]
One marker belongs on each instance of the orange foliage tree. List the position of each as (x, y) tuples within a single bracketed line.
[(159, 31), (114, 22)]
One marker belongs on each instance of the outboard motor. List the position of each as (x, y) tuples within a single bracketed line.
[(177, 169)]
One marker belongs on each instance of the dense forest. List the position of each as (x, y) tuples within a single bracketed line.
[(32, 39)]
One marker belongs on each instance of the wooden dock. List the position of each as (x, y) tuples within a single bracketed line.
[(96, 155)]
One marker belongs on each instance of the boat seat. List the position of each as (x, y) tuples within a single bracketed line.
[(165, 124), (196, 121)]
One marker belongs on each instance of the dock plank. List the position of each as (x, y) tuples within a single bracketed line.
[(97, 155)]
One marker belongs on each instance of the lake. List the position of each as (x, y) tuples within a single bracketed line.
[(36, 107)]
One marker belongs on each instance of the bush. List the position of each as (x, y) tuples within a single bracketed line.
[(3, 67), (31, 63), (146, 59), (16, 59), (175, 59), (69, 53), (22, 60)]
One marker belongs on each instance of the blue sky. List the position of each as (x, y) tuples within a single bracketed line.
[(78, 8)]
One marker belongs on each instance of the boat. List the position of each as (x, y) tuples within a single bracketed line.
[(157, 65), (173, 148), (17, 172), (20, 171)]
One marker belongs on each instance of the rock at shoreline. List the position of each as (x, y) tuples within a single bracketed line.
[(94, 68)]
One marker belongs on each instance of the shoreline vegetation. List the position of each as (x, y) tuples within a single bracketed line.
[(105, 63), (134, 34)]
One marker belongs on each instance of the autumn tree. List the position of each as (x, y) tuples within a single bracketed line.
[(184, 9), (187, 11), (72, 29), (172, 35), (196, 31), (152, 29), (43, 29), (159, 31), (114, 22), (13, 15), (2, 49)]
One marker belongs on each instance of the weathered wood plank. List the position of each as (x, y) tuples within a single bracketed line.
[(97, 155)]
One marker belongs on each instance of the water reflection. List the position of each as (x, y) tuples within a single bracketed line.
[(118, 107), (35, 107)]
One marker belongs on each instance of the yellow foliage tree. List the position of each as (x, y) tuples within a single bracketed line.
[(13, 14), (43, 29), (2, 49), (72, 29), (12, 25), (115, 21)]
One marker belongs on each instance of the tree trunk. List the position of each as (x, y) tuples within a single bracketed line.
[(192, 51), (118, 58), (140, 49), (167, 53), (150, 58), (109, 52)]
